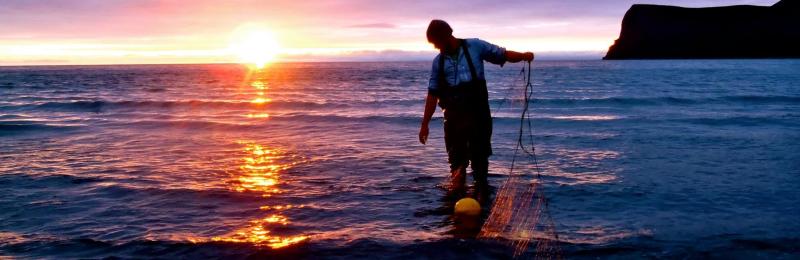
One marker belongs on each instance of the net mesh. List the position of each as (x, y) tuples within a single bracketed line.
[(520, 215)]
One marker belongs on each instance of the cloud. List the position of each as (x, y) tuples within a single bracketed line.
[(401, 55), (364, 56), (373, 25), (36, 62)]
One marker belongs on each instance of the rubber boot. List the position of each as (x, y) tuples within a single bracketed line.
[(458, 179), (480, 172)]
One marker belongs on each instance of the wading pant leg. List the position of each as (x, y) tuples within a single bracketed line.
[(480, 170), (456, 139), (481, 149)]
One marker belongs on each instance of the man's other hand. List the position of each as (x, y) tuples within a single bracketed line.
[(423, 134)]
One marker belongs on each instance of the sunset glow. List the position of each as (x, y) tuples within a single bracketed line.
[(260, 32), (255, 47)]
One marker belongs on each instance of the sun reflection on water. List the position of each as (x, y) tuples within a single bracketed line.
[(260, 100), (257, 234), (260, 86), (259, 89), (260, 172), (261, 115)]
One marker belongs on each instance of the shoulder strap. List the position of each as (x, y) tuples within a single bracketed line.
[(469, 59), (442, 77), (441, 65)]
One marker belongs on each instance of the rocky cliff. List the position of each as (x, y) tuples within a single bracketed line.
[(742, 31)]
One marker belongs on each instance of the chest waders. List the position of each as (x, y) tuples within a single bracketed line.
[(467, 121)]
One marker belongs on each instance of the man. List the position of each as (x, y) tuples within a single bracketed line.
[(458, 84)]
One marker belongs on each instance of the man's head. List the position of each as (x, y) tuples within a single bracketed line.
[(440, 34)]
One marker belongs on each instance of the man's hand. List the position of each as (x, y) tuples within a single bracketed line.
[(423, 134), (513, 56), (430, 107), (528, 56)]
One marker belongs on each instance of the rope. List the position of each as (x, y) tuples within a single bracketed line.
[(523, 213), (532, 153), (525, 118)]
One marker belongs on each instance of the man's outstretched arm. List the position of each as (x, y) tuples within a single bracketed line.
[(430, 107), (513, 56)]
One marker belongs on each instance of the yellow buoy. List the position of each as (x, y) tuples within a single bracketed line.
[(468, 206)]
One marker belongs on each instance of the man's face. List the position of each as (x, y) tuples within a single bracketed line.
[(441, 43)]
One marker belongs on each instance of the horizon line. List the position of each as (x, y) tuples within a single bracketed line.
[(246, 64)]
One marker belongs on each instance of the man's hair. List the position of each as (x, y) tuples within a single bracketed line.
[(438, 30)]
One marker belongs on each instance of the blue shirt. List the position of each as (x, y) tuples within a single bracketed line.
[(457, 70)]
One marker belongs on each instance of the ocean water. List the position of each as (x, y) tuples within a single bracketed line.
[(667, 159)]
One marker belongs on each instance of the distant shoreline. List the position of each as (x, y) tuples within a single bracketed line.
[(400, 61), (725, 32)]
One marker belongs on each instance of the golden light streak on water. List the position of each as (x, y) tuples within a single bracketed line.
[(258, 234), (260, 100), (260, 85), (280, 207), (260, 172), (260, 97), (262, 115)]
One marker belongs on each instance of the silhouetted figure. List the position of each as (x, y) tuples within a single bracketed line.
[(458, 84)]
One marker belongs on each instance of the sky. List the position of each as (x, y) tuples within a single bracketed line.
[(35, 32)]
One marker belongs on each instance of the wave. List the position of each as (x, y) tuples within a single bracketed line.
[(624, 101), (786, 120), (763, 99), (50, 247), (50, 180), (120, 185), (513, 119), (28, 126), (103, 105), (301, 120), (189, 247)]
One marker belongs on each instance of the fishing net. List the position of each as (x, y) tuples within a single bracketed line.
[(520, 214), (519, 217)]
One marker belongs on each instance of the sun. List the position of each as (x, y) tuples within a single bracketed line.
[(255, 46)]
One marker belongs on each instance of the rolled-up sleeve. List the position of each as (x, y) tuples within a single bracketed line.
[(433, 83), (492, 53)]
